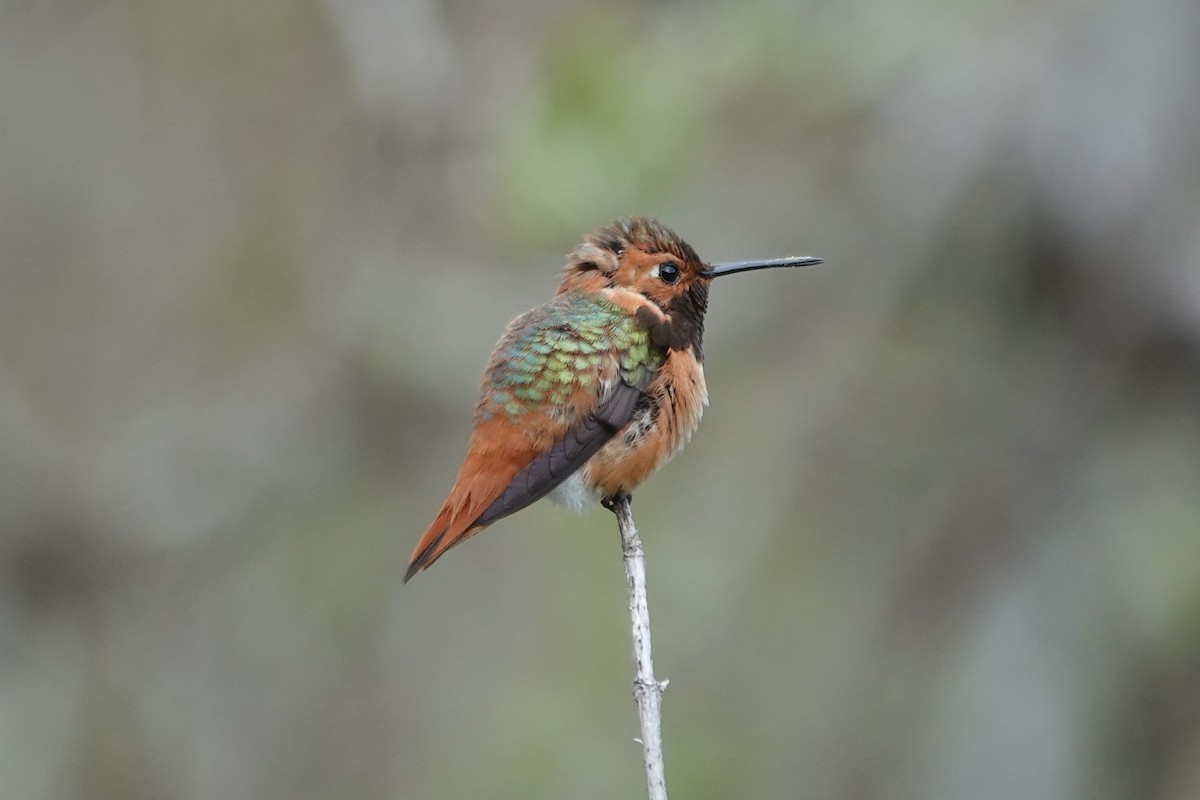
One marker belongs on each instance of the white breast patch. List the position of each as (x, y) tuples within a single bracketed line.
[(574, 493)]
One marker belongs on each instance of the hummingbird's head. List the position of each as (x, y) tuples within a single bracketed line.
[(642, 255)]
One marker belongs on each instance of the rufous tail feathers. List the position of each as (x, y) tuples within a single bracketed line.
[(470, 497), (492, 461)]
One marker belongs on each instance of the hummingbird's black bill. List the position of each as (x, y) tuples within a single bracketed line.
[(770, 263)]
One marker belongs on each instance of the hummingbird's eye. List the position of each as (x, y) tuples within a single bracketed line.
[(668, 272)]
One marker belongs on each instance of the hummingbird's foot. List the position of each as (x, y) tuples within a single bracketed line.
[(611, 501)]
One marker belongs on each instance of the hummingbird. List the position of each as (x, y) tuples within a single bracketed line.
[(585, 397)]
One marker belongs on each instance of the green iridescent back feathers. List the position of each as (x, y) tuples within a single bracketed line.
[(548, 352)]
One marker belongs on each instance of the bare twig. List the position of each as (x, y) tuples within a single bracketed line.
[(646, 689)]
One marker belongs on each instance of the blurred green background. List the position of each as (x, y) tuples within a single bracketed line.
[(938, 537)]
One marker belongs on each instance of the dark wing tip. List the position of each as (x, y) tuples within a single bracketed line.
[(422, 559)]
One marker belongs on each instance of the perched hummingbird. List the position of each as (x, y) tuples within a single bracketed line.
[(587, 395)]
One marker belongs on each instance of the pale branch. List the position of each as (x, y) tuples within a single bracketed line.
[(646, 689)]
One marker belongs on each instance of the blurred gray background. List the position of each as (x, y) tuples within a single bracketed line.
[(938, 537)]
